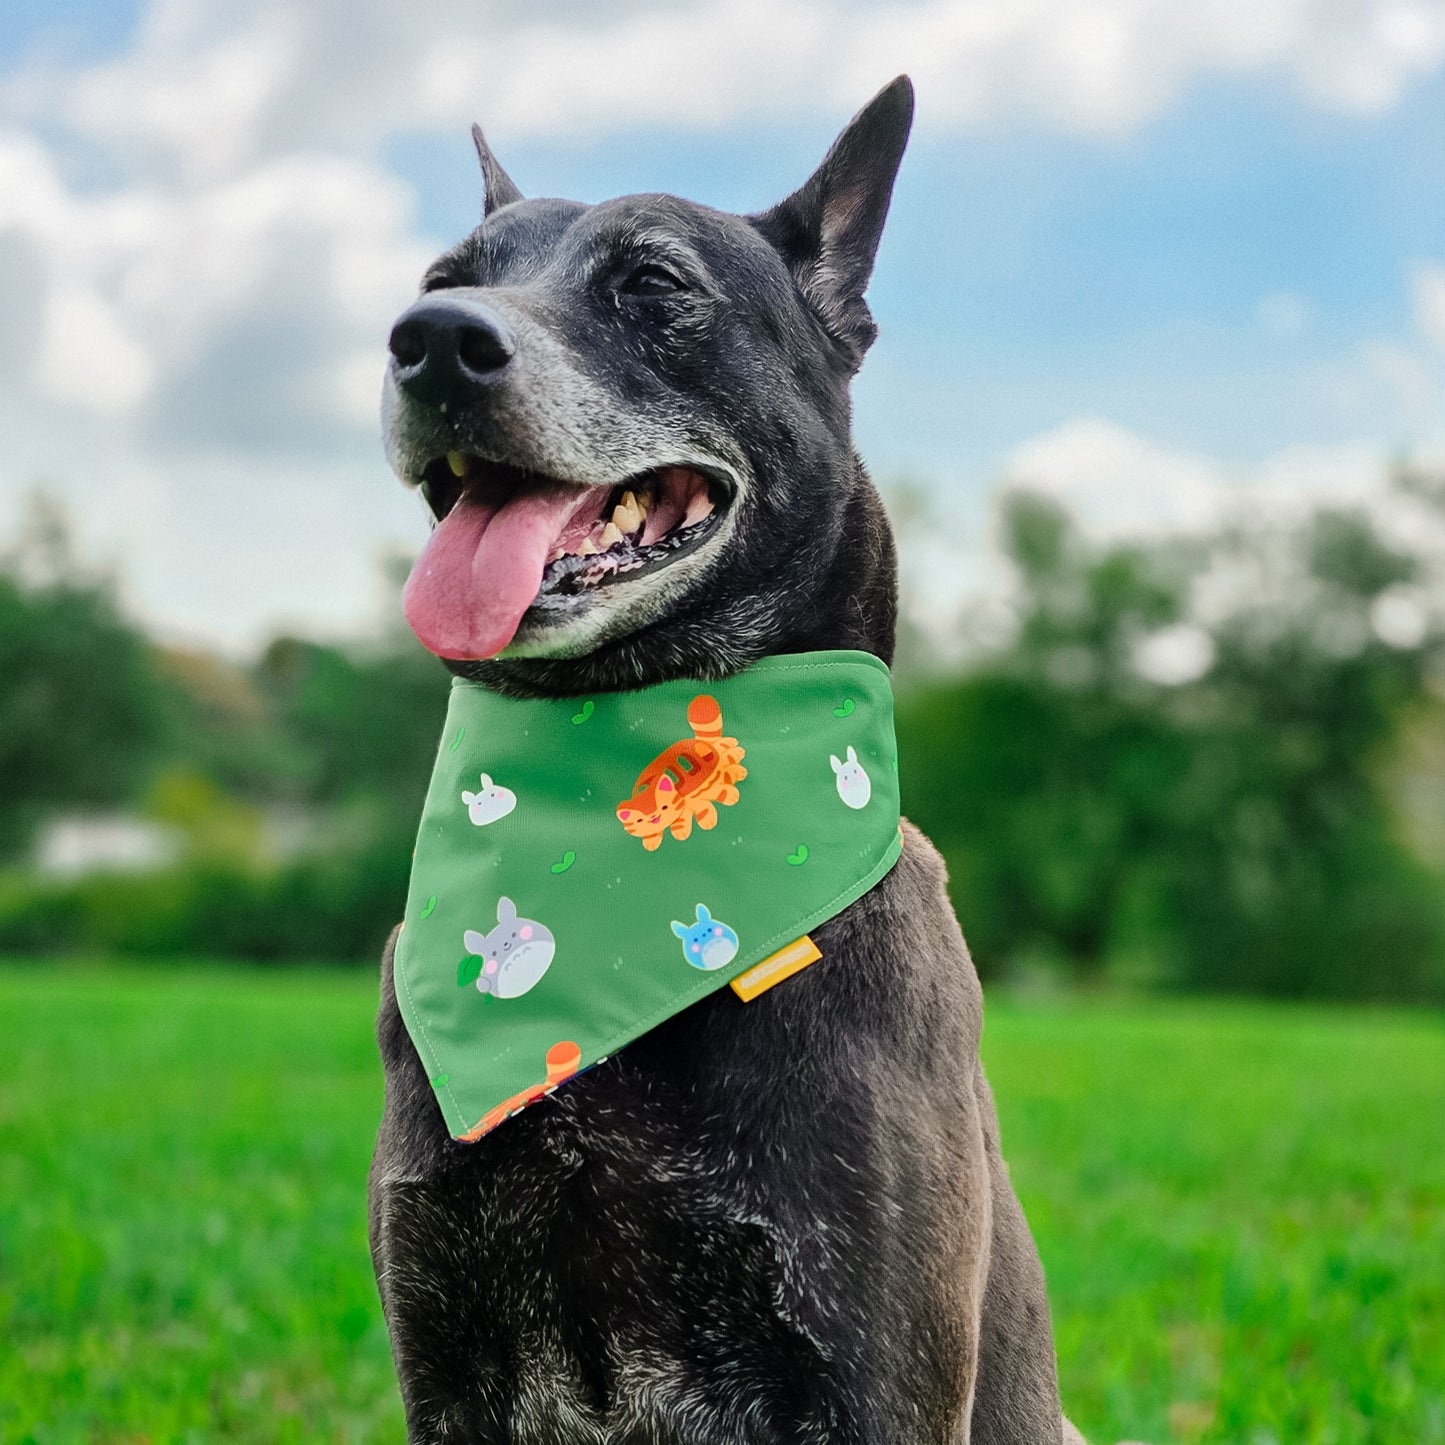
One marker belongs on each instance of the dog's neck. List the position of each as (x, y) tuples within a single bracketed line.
[(851, 601), (856, 602)]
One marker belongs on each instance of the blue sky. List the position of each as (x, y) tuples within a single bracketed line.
[(88, 29), (1221, 261)]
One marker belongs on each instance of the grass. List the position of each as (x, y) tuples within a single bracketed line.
[(182, 1219), (1241, 1210)]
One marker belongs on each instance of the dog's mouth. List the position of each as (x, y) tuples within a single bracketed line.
[(507, 538)]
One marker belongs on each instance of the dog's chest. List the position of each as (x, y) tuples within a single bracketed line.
[(626, 1292)]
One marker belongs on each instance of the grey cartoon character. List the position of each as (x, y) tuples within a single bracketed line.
[(511, 958), (708, 943)]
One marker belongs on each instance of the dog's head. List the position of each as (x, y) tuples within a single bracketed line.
[(631, 420)]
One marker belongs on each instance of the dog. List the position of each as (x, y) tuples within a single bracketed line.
[(781, 1222)]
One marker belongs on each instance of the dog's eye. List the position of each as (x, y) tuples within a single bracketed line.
[(438, 282), (651, 281)]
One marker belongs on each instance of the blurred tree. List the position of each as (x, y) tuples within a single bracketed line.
[(82, 709), (364, 723), (214, 825), (1226, 828), (1043, 775)]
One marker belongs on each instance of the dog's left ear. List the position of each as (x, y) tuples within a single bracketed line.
[(500, 188), (828, 230)]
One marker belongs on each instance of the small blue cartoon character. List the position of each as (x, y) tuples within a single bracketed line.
[(708, 944), (511, 958)]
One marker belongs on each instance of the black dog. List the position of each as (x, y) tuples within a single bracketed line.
[(781, 1222)]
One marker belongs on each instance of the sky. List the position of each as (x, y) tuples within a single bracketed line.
[(1144, 256)]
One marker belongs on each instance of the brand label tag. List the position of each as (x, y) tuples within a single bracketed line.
[(790, 959)]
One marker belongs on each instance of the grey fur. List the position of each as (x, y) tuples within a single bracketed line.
[(786, 1221)]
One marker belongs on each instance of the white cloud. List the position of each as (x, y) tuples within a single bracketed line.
[(1410, 369), (219, 549), (214, 86), (1361, 56), (201, 361), (1428, 295), (1119, 485), (86, 355), (1284, 314), (309, 255), (1116, 482), (1398, 375), (200, 99)]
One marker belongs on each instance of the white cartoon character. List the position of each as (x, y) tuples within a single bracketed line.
[(511, 958), (493, 802), (854, 785)]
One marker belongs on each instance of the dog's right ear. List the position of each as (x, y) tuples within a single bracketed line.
[(828, 230), (501, 190)]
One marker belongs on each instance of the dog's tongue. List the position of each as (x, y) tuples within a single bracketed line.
[(482, 569)]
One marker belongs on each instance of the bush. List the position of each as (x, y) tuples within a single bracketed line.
[(337, 906)]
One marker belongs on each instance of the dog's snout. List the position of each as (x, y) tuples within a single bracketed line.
[(443, 345)]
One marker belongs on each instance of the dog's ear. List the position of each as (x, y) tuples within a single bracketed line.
[(828, 230), (501, 190)]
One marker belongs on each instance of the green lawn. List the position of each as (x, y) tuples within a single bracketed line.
[(1241, 1210)]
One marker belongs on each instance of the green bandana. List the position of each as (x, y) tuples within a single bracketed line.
[(587, 868)]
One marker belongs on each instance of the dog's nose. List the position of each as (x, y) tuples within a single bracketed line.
[(444, 345)]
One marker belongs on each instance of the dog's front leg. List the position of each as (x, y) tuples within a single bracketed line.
[(422, 1228), (1016, 1395)]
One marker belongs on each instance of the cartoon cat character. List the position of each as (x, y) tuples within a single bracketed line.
[(688, 781), (493, 802), (707, 943), (510, 959)]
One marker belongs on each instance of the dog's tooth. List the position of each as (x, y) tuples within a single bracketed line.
[(611, 535), (588, 548), (627, 515), (457, 461), (558, 554)]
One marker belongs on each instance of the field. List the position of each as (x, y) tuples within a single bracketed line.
[(1241, 1210)]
